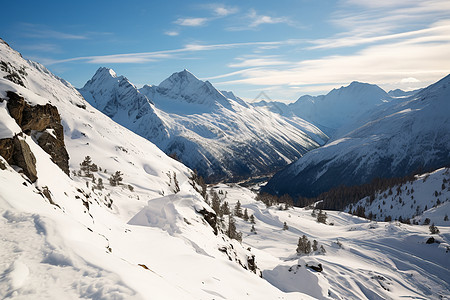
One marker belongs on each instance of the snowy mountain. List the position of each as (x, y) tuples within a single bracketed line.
[(396, 141), (78, 235), (398, 93), (336, 112), (427, 196), (218, 135)]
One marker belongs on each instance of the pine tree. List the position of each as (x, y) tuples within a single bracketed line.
[(238, 210), (252, 219), (304, 245), (225, 208), (446, 217), (115, 178), (231, 232), (88, 167), (100, 185), (285, 226), (322, 249), (215, 203), (175, 181), (315, 245), (245, 216), (322, 217), (253, 230), (433, 229)]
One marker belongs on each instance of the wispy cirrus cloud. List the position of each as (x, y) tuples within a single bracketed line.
[(191, 22), (43, 32), (259, 61), (141, 57), (258, 20)]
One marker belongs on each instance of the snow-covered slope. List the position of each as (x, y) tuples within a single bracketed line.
[(66, 237), (427, 196), (219, 136), (363, 259), (398, 140), (336, 112)]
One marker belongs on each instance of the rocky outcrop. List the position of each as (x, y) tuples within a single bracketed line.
[(7, 149), (211, 218), (43, 122), (24, 158)]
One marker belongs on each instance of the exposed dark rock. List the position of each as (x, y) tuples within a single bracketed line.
[(211, 218), (44, 122), (2, 165), (15, 106), (252, 263), (317, 268), (24, 158), (56, 149), (7, 149)]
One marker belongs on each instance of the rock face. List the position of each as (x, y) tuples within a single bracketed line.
[(43, 122), (24, 158)]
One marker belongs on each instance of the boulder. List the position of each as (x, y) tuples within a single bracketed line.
[(24, 158), (44, 122)]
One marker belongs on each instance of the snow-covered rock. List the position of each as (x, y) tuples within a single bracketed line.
[(215, 133)]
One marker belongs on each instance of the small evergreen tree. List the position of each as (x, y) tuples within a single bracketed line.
[(176, 188), (252, 219), (225, 208), (245, 216), (215, 202), (100, 185), (322, 217), (253, 230), (115, 178), (238, 210), (446, 217), (315, 245), (426, 221), (85, 166), (304, 245), (285, 226), (322, 249), (433, 229), (231, 232)]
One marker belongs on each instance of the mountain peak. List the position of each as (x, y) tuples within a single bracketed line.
[(180, 79), (185, 85)]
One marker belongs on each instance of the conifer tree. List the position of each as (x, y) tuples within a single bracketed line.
[(238, 210), (322, 217), (252, 219), (225, 208), (315, 245), (253, 230), (285, 226), (115, 178), (215, 203), (245, 216)]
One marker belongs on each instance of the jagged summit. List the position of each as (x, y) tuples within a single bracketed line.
[(186, 86), (216, 133)]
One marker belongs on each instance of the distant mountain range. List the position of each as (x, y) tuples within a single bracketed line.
[(397, 138), (214, 132)]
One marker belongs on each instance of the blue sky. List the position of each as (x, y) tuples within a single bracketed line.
[(284, 48)]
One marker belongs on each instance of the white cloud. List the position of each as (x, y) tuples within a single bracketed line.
[(223, 11), (192, 22), (409, 80), (261, 19), (171, 33), (257, 62)]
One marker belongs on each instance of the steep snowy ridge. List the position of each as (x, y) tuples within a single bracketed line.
[(70, 237), (396, 141), (427, 196), (220, 137)]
